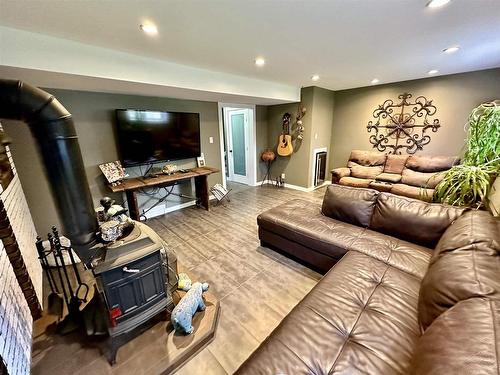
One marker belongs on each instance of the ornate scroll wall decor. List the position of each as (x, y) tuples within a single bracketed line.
[(403, 126)]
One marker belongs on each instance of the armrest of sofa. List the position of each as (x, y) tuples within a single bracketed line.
[(338, 173)]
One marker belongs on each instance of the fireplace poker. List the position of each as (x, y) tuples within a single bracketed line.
[(61, 280)]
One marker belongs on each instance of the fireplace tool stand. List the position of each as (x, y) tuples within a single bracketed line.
[(72, 296)]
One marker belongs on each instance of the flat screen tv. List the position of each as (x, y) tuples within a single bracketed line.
[(146, 137)]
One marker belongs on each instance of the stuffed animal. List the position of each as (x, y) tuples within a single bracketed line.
[(182, 315)]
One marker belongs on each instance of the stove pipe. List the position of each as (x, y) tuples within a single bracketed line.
[(52, 126)]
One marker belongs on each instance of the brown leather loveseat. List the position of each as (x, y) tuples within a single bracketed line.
[(414, 288), (412, 176)]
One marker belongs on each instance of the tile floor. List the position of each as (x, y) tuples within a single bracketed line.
[(256, 286)]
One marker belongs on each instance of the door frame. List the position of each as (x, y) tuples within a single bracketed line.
[(252, 140), (228, 112)]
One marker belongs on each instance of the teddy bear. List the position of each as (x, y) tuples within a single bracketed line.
[(182, 315)]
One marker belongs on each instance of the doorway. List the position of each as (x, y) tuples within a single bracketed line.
[(238, 146)]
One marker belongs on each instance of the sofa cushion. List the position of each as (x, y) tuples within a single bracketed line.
[(463, 340), (367, 158), (338, 173), (465, 264), (423, 179), (431, 163), (389, 177), (361, 171), (360, 318), (300, 221), (395, 163), (349, 204), (405, 256), (413, 192), (412, 219), (381, 186), (356, 182)]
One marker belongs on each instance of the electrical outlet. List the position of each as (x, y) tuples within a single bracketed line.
[(283, 176), (211, 139)]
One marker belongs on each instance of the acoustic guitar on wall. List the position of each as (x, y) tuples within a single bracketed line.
[(285, 147)]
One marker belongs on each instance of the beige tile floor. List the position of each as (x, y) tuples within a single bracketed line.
[(256, 286)]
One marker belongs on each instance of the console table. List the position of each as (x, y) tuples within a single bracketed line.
[(131, 185)]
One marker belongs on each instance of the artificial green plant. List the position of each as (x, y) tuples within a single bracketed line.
[(469, 184)]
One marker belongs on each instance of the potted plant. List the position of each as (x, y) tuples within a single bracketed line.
[(469, 184)]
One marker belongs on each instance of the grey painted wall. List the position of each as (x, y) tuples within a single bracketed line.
[(93, 115), (317, 134), (262, 140), (454, 96), (322, 121), (296, 167), (349, 111)]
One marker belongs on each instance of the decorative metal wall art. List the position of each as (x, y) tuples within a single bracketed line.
[(403, 126)]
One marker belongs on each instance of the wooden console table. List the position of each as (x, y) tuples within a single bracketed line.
[(131, 185)]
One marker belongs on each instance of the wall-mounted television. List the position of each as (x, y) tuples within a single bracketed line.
[(146, 137)]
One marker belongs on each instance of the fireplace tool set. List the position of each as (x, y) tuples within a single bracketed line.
[(56, 260)]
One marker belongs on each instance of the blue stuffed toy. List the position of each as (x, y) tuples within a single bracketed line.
[(182, 315)]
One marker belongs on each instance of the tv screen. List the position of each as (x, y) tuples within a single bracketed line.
[(148, 137)]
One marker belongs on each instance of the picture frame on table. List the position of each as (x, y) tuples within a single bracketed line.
[(200, 161)]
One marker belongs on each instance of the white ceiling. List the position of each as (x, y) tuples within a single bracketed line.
[(346, 42)]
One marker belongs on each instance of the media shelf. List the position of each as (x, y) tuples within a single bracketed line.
[(131, 185)]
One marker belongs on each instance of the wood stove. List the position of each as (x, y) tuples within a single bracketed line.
[(135, 278)]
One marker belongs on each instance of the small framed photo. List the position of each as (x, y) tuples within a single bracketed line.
[(200, 161), (113, 171)]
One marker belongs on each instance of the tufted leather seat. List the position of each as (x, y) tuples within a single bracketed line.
[(381, 309), (373, 303)]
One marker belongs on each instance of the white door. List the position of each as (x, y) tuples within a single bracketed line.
[(237, 145)]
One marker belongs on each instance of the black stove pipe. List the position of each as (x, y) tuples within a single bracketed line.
[(52, 126)]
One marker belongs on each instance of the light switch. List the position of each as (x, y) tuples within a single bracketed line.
[(211, 139), (315, 135)]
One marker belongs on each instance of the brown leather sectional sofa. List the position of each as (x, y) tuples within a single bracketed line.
[(412, 176), (414, 288)]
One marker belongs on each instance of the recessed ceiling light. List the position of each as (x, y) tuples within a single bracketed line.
[(259, 61), (315, 77), (149, 28), (451, 49), (433, 71), (375, 81), (437, 3)]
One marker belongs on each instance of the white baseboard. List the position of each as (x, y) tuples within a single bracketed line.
[(308, 189), (161, 209), (325, 183), (179, 206), (297, 187), (258, 183)]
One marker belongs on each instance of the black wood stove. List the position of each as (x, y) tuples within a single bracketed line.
[(133, 280)]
